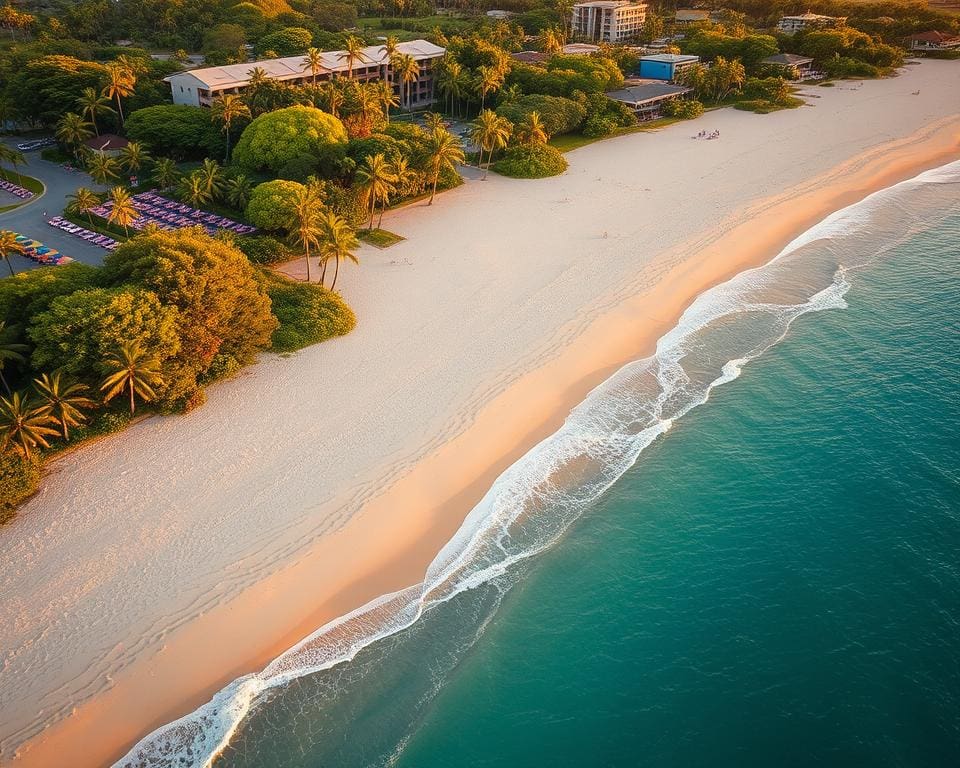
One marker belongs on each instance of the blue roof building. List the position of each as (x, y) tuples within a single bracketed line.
[(665, 66)]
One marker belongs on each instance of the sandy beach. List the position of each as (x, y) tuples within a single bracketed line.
[(157, 565)]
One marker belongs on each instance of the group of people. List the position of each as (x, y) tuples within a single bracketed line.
[(706, 135)]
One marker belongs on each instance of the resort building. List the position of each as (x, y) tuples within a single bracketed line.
[(647, 99), (665, 66), (801, 67), (933, 41), (201, 87), (609, 21), (791, 24)]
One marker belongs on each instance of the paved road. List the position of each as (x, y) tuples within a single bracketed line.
[(29, 218)]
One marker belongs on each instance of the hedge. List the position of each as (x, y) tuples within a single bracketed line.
[(536, 162)]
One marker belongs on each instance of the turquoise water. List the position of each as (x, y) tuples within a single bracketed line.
[(773, 581)]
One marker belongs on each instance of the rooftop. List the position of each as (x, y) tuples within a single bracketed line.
[(106, 142), (787, 59), (652, 91), (530, 57), (608, 3), (671, 58), (933, 37), (290, 67), (689, 14), (811, 17)]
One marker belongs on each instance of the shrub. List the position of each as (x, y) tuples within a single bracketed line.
[(598, 126), (559, 115), (275, 138), (684, 109), (19, 479), (263, 249), (308, 313), (534, 162), (765, 107), (271, 204)]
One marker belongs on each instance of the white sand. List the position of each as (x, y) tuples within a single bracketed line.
[(131, 540)]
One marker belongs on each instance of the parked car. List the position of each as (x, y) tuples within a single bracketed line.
[(35, 144)]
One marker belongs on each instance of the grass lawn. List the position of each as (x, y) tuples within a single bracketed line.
[(570, 141), (380, 238), (27, 182), (412, 28)]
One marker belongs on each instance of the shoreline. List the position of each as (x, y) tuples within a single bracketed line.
[(440, 488)]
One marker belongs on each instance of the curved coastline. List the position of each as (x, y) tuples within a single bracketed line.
[(587, 358)]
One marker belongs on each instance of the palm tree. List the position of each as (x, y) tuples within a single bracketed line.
[(303, 224), (352, 53), (122, 210), (531, 132), (15, 158), (389, 49), (133, 369), (258, 76), (432, 121), (333, 97), (444, 152), (490, 79), (64, 400), (72, 131), (366, 99), (102, 167), (120, 83), (337, 242), (23, 425), (452, 81), (193, 190), (10, 351), (231, 107), (82, 202), (490, 132), (165, 173), (314, 62), (408, 70), (403, 177), (212, 175), (386, 96), (133, 156), (8, 245), (376, 182), (238, 191), (93, 103)]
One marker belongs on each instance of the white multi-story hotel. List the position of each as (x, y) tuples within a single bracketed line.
[(611, 21), (201, 87), (791, 24)]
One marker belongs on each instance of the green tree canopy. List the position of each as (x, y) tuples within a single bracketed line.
[(175, 130), (221, 309), (559, 115), (49, 86), (288, 41), (79, 330), (275, 138), (271, 204)]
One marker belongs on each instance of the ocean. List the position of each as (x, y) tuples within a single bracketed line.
[(741, 551)]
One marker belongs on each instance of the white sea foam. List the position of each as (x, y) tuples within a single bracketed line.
[(533, 502)]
